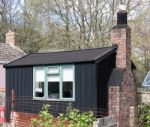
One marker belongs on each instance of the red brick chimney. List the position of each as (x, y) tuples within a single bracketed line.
[(121, 35), (122, 95), (10, 38)]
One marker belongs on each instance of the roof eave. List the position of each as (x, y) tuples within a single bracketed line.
[(76, 62), (8, 64), (99, 59)]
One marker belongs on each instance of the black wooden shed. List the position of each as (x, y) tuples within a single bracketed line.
[(80, 77)]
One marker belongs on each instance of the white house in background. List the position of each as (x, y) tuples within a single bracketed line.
[(8, 52)]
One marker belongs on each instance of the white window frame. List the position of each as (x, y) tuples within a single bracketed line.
[(60, 72)]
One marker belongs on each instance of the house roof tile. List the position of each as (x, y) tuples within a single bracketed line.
[(9, 53)]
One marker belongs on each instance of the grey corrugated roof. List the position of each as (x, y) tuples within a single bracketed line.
[(63, 57), (116, 77), (9, 53)]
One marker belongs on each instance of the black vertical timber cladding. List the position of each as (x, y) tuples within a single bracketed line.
[(85, 86), (19, 79), (8, 93), (104, 69)]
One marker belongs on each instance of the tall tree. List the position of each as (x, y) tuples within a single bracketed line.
[(140, 40), (8, 11)]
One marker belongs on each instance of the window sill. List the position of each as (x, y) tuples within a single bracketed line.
[(46, 99)]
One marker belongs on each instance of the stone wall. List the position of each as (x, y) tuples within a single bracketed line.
[(105, 122), (143, 95)]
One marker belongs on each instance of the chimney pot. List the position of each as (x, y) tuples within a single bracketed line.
[(122, 7), (122, 15)]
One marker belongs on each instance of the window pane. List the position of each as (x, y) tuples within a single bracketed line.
[(40, 75), (39, 89), (67, 74), (53, 90), (53, 70), (68, 89), (147, 80), (39, 82), (53, 78), (53, 86)]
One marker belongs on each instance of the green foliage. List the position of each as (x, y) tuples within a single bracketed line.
[(45, 118), (74, 118), (144, 112), (78, 119), (81, 119)]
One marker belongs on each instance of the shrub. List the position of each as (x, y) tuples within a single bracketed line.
[(144, 113), (73, 118), (45, 118)]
